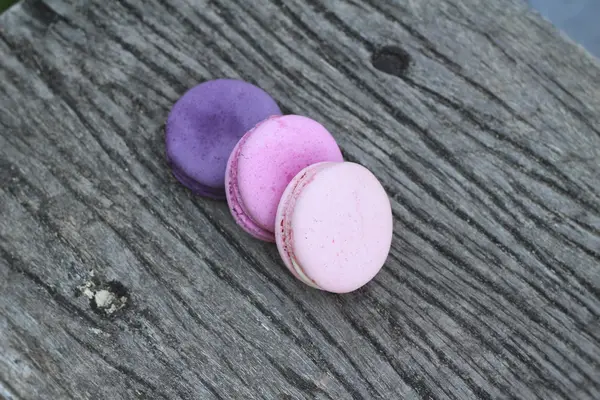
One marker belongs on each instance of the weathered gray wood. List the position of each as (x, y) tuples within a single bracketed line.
[(489, 145)]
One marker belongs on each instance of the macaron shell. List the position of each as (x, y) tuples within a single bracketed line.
[(342, 228), (205, 124), (272, 155)]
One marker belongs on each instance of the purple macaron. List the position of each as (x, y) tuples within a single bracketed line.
[(204, 126)]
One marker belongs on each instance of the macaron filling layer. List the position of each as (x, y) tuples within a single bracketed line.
[(303, 179), (239, 211), (287, 237)]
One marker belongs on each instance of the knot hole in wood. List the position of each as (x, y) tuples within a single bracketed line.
[(392, 60)]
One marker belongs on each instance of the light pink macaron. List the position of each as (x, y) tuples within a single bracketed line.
[(334, 226), (265, 160)]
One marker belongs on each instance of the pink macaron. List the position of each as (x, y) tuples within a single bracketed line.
[(334, 226), (265, 160)]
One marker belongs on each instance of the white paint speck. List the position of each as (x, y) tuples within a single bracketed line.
[(104, 298)]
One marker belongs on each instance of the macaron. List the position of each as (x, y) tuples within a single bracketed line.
[(204, 126), (265, 160), (334, 226)]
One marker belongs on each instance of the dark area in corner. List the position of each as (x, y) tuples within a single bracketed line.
[(4, 4)]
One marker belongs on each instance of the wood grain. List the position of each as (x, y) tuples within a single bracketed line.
[(484, 129)]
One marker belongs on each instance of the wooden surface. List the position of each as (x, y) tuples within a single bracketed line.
[(117, 283)]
